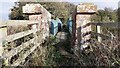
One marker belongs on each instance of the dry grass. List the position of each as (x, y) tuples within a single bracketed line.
[(44, 55), (106, 53)]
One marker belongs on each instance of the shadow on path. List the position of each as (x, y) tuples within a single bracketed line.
[(64, 48)]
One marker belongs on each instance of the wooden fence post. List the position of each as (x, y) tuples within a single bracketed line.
[(99, 31), (3, 35), (34, 27)]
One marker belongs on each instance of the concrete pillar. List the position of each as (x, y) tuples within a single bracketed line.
[(39, 13), (83, 17)]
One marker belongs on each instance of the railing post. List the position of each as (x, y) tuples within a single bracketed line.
[(99, 31), (3, 35), (34, 27)]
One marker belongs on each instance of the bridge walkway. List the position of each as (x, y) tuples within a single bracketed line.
[(64, 48)]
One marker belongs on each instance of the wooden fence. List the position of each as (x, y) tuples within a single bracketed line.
[(114, 25), (26, 41), (23, 50)]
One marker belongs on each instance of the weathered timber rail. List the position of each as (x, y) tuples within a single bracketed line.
[(114, 25)]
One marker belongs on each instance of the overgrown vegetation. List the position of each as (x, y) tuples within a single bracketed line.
[(46, 55), (106, 15), (106, 53)]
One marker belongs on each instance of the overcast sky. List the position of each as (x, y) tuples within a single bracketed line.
[(5, 5)]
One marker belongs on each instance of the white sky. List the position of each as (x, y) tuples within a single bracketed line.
[(5, 5)]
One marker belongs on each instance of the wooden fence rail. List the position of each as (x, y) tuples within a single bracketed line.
[(114, 25)]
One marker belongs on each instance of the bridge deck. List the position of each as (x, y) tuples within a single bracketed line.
[(64, 48), (62, 36)]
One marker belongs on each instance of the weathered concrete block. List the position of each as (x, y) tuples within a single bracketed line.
[(32, 8), (35, 17), (86, 8), (82, 20), (81, 26)]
